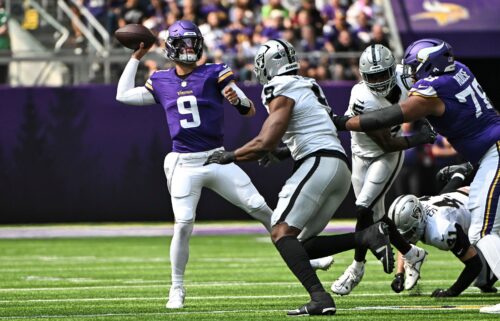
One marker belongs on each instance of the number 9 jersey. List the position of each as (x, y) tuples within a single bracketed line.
[(442, 212), (193, 105)]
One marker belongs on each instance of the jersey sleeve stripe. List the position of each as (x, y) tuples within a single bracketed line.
[(414, 93), (228, 69), (221, 78)]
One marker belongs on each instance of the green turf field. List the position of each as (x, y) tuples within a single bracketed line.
[(228, 278)]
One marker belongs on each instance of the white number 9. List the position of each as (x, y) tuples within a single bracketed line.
[(192, 108)]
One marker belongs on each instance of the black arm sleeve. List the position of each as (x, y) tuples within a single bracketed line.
[(382, 118), (462, 243), (453, 184), (472, 269)]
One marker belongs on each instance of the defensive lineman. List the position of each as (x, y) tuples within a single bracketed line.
[(300, 115), (377, 160)]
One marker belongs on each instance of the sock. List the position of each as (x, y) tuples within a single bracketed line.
[(364, 219), (325, 245), (179, 251), (396, 238), (411, 252), (295, 256), (358, 265)]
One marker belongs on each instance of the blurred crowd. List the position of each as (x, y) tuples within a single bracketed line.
[(233, 29)]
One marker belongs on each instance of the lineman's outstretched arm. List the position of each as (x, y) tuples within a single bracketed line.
[(413, 108)]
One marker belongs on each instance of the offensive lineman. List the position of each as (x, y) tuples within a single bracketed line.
[(300, 115), (377, 160), (448, 94)]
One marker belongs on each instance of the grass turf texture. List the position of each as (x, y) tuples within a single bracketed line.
[(228, 278)]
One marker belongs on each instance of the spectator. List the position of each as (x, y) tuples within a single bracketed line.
[(273, 5), (363, 30), (212, 31), (346, 68), (331, 32), (378, 36), (131, 12), (190, 10), (309, 41), (4, 43), (328, 12)]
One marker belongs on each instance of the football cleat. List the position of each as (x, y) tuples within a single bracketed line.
[(491, 309), (376, 237), (445, 173), (349, 280), (319, 306), (323, 263), (413, 261), (176, 297)]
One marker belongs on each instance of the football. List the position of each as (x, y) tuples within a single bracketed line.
[(133, 34)]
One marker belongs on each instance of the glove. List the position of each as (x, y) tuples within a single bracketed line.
[(445, 173), (275, 156), (398, 284), (442, 293), (340, 122), (425, 134), (220, 157)]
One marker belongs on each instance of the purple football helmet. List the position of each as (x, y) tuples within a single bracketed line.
[(428, 57), (183, 42)]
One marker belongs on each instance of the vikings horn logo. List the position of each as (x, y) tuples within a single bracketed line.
[(444, 13)]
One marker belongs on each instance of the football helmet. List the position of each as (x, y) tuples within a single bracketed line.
[(275, 57), (183, 42), (408, 214), (428, 57), (377, 66)]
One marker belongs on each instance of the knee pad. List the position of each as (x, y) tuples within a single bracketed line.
[(255, 202)]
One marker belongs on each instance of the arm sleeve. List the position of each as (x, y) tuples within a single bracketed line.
[(126, 92)]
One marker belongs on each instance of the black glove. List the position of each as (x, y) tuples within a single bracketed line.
[(220, 157), (445, 173), (275, 156), (425, 134), (340, 122), (398, 284), (442, 293)]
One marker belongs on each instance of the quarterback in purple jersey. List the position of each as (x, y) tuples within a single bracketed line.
[(192, 96), (447, 93)]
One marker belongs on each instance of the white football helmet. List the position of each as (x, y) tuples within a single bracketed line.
[(408, 214), (274, 58), (377, 66)]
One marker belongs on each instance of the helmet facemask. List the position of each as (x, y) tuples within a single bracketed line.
[(377, 67)]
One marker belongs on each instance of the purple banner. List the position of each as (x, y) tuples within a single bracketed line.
[(470, 26), (75, 154)]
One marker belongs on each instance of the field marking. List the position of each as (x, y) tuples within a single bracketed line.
[(190, 285), (260, 311), (212, 297)]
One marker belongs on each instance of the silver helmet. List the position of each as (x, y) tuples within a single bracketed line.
[(408, 214), (274, 58), (377, 67)]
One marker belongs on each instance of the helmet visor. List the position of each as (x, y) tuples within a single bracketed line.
[(185, 43)]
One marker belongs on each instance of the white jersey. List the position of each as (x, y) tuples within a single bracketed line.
[(442, 213), (311, 127), (363, 100)]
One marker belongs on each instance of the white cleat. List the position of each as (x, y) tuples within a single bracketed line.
[(348, 281), (323, 263), (412, 265), (494, 309), (176, 297)]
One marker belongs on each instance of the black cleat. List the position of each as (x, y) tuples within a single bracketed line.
[(321, 306), (445, 173), (377, 239)]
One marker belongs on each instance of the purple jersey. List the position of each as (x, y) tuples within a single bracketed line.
[(469, 122), (193, 105)]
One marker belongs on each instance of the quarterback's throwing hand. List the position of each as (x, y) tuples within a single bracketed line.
[(220, 157)]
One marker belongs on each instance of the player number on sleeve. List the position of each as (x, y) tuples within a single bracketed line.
[(472, 90), (188, 105)]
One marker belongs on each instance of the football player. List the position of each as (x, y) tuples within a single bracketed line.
[(448, 94), (443, 222), (300, 116), (192, 97), (377, 158)]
